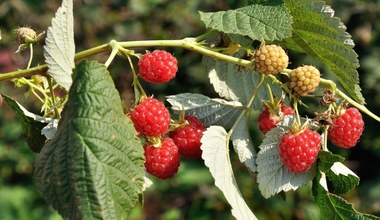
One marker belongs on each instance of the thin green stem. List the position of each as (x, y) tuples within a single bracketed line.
[(331, 84), (30, 56), (92, 51), (249, 104), (295, 107), (278, 82), (56, 112), (34, 87), (37, 96), (357, 105), (203, 36), (270, 93), (136, 83), (115, 49)]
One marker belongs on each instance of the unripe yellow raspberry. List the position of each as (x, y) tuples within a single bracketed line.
[(304, 80), (271, 59)]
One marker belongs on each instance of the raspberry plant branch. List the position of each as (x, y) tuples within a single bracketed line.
[(190, 44), (41, 70), (186, 43), (334, 89)]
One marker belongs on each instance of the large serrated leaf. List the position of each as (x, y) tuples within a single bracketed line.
[(259, 22), (341, 178), (59, 50), (32, 124), (216, 156), (273, 177), (93, 168), (210, 111), (335, 207), (317, 32), (235, 83)]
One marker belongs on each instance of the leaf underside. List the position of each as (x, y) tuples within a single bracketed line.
[(236, 83), (210, 111), (59, 50), (215, 155), (93, 168)]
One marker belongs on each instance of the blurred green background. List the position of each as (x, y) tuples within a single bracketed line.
[(190, 194)]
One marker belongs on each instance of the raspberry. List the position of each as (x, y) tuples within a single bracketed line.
[(347, 128), (158, 66), (299, 151), (268, 118), (304, 80), (188, 138), (162, 161), (271, 59), (151, 117)]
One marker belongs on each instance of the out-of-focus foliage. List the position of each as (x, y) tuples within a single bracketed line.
[(191, 194)]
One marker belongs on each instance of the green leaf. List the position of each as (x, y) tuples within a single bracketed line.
[(59, 50), (317, 32), (243, 145), (235, 83), (93, 168), (210, 111), (340, 178), (334, 207), (327, 159), (273, 176), (216, 156), (259, 22), (32, 124)]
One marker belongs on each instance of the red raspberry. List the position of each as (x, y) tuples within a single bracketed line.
[(347, 128), (158, 66), (268, 118), (299, 151), (162, 161), (151, 117), (188, 138)]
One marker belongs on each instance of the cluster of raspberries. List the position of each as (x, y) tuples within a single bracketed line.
[(152, 120), (298, 149)]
